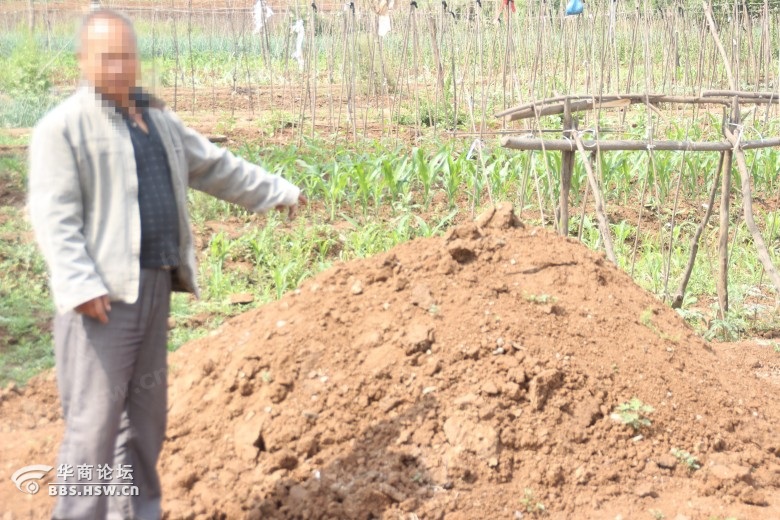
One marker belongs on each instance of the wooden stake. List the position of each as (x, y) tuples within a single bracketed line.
[(747, 208), (192, 62), (561, 145), (668, 269), (583, 208), (176, 75), (719, 45), (599, 201), (723, 242), (30, 16), (311, 68), (680, 296), (436, 55), (634, 249), (567, 168)]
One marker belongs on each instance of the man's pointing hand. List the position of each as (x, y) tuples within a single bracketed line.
[(292, 211)]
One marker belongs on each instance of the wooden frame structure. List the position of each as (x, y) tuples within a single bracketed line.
[(731, 149)]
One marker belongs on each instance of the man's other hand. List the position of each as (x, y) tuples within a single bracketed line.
[(97, 308), (292, 211)]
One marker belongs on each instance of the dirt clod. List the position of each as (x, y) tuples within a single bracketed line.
[(645, 490), (542, 386), (419, 338), (422, 297), (242, 298), (667, 461)]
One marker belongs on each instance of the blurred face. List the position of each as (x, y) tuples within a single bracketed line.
[(109, 58)]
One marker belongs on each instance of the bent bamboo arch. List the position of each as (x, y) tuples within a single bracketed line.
[(731, 148)]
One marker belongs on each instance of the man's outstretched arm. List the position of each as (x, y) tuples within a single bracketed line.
[(218, 172)]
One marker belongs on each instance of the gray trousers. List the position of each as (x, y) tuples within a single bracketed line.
[(112, 381)]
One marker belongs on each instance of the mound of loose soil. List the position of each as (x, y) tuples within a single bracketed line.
[(429, 378), (470, 376)]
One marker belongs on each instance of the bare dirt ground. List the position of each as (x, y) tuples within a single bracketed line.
[(470, 376), (10, 195), (282, 114), (267, 115)]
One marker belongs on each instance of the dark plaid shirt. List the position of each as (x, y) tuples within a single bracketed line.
[(156, 200)]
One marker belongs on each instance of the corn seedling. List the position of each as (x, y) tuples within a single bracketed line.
[(691, 462), (634, 413), (540, 298), (530, 504)]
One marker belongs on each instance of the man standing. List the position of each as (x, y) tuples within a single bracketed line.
[(107, 198)]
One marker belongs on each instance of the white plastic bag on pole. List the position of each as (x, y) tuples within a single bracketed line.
[(383, 17), (299, 30), (262, 13), (383, 25)]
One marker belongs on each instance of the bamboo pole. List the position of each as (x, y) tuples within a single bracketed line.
[(680, 296), (747, 208), (598, 199), (436, 55), (211, 52), (767, 97), (311, 67), (31, 16), (244, 58), (507, 53), (584, 206), (353, 62), (565, 145), (668, 267), (719, 44), (176, 75), (192, 62), (567, 169), (371, 90), (436, 43), (650, 164), (416, 63), (385, 82), (734, 119), (723, 241), (454, 78), (397, 101), (554, 106)]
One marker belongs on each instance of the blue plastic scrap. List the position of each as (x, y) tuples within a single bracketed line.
[(574, 7)]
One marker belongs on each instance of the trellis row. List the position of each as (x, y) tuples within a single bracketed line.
[(732, 147)]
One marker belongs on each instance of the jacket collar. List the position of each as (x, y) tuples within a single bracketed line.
[(138, 96)]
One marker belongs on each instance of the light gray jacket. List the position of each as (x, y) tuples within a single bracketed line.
[(83, 196)]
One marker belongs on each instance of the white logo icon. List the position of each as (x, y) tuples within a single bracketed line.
[(27, 477)]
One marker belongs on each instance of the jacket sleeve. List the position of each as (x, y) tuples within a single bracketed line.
[(218, 172), (57, 216)]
